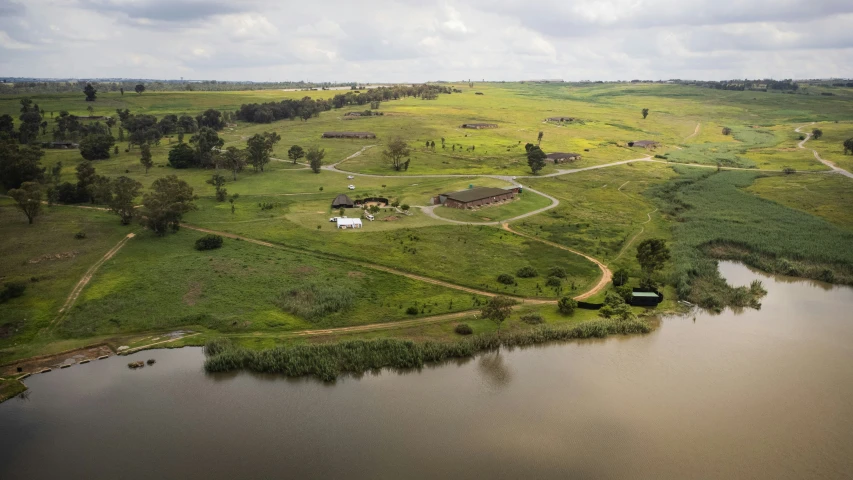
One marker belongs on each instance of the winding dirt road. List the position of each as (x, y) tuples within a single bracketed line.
[(802, 144)]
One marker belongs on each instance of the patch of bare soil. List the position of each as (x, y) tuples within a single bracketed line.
[(193, 294), (355, 274), (36, 364), (390, 218), (304, 269), (54, 256)]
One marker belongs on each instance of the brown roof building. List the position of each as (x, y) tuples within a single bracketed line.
[(348, 135), (560, 157), (479, 125), (475, 197), (560, 119)]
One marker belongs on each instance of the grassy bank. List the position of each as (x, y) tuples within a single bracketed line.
[(10, 388), (328, 361)]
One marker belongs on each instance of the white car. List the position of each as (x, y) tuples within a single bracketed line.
[(351, 187), (350, 177), (369, 217)]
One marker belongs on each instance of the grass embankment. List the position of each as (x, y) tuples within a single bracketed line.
[(10, 388), (331, 360), (716, 217)]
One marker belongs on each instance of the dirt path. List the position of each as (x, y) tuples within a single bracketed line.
[(606, 274), (78, 289), (695, 132), (829, 164)]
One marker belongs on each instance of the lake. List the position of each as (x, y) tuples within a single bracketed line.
[(754, 394)]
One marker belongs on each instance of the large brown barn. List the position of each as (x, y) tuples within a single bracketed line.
[(349, 135), (475, 197)]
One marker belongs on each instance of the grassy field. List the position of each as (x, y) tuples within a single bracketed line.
[(792, 224)]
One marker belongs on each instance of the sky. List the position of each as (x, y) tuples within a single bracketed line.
[(425, 40)]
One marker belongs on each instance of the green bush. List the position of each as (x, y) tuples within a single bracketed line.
[(506, 279), (413, 310), (526, 272), (558, 272), (316, 300), (553, 281), (463, 329), (12, 290), (567, 305), (532, 318), (80, 235), (208, 242)]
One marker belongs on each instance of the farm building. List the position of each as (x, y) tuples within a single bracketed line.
[(59, 145), (353, 114), (643, 144), (478, 126), (560, 119), (475, 197), (349, 223), (645, 299), (560, 157), (342, 201), (348, 135)]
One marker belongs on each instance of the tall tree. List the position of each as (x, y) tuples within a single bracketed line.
[(234, 160), (124, 190), (138, 89), (19, 163), (164, 206), (395, 152), (121, 90), (86, 178), (295, 153), (145, 158), (7, 124), (259, 148), (315, 158), (645, 113), (539, 138), (652, 254), (218, 182), (205, 141), (848, 146), (28, 199), (817, 133), (90, 92), (536, 159), (96, 146), (497, 309)]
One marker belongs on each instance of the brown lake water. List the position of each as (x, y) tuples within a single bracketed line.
[(758, 394)]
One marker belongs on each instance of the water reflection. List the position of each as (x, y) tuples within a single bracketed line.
[(494, 370)]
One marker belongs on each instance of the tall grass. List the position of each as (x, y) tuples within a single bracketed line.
[(316, 300), (328, 361)]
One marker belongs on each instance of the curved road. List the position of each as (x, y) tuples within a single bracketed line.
[(829, 164)]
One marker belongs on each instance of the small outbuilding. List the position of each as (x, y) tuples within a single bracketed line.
[(64, 144), (475, 197), (342, 201), (560, 119), (643, 143), (349, 223), (478, 126), (560, 157), (349, 135), (641, 298)]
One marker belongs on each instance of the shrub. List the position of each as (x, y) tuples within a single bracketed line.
[(12, 290), (96, 146), (620, 277), (80, 235), (208, 242), (315, 300), (181, 156), (526, 272), (413, 310), (506, 279), (567, 305), (558, 272), (789, 170), (553, 281), (463, 329), (532, 318), (727, 131)]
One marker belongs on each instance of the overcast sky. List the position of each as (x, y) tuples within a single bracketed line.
[(420, 40)]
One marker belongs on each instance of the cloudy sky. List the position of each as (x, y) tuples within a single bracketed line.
[(420, 40)]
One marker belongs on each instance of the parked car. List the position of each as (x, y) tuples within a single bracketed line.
[(350, 177), (369, 216), (351, 187)]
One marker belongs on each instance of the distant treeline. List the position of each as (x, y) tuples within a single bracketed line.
[(307, 107), (13, 87), (741, 85)]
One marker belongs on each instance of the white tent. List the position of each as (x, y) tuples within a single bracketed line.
[(349, 223)]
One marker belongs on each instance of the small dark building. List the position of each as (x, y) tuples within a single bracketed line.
[(349, 135), (560, 119), (478, 126), (342, 201), (352, 114), (643, 144), (641, 298), (560, 157), (64, 144), (475, 197)]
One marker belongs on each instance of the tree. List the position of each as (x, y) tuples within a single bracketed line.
[(138, 89), (145, 159), (817, 133), (536, 159), (218, 182), (90, 92), (232, 200), (91, 110), (727, 131), (645, 113), (497, 309), (181, 156), (28, 199), (567, 305), (7, 124), (539, 139), (170, 198), (86, 178), (121, 90), (315, 158), (19, 163), (848, 146), (620, 277), (124, 190), (234, 160), (205, 141), (395, 152), (212, 119), (652, 254), (259, 148), (621, 311), (96, 146), (295, 153)]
